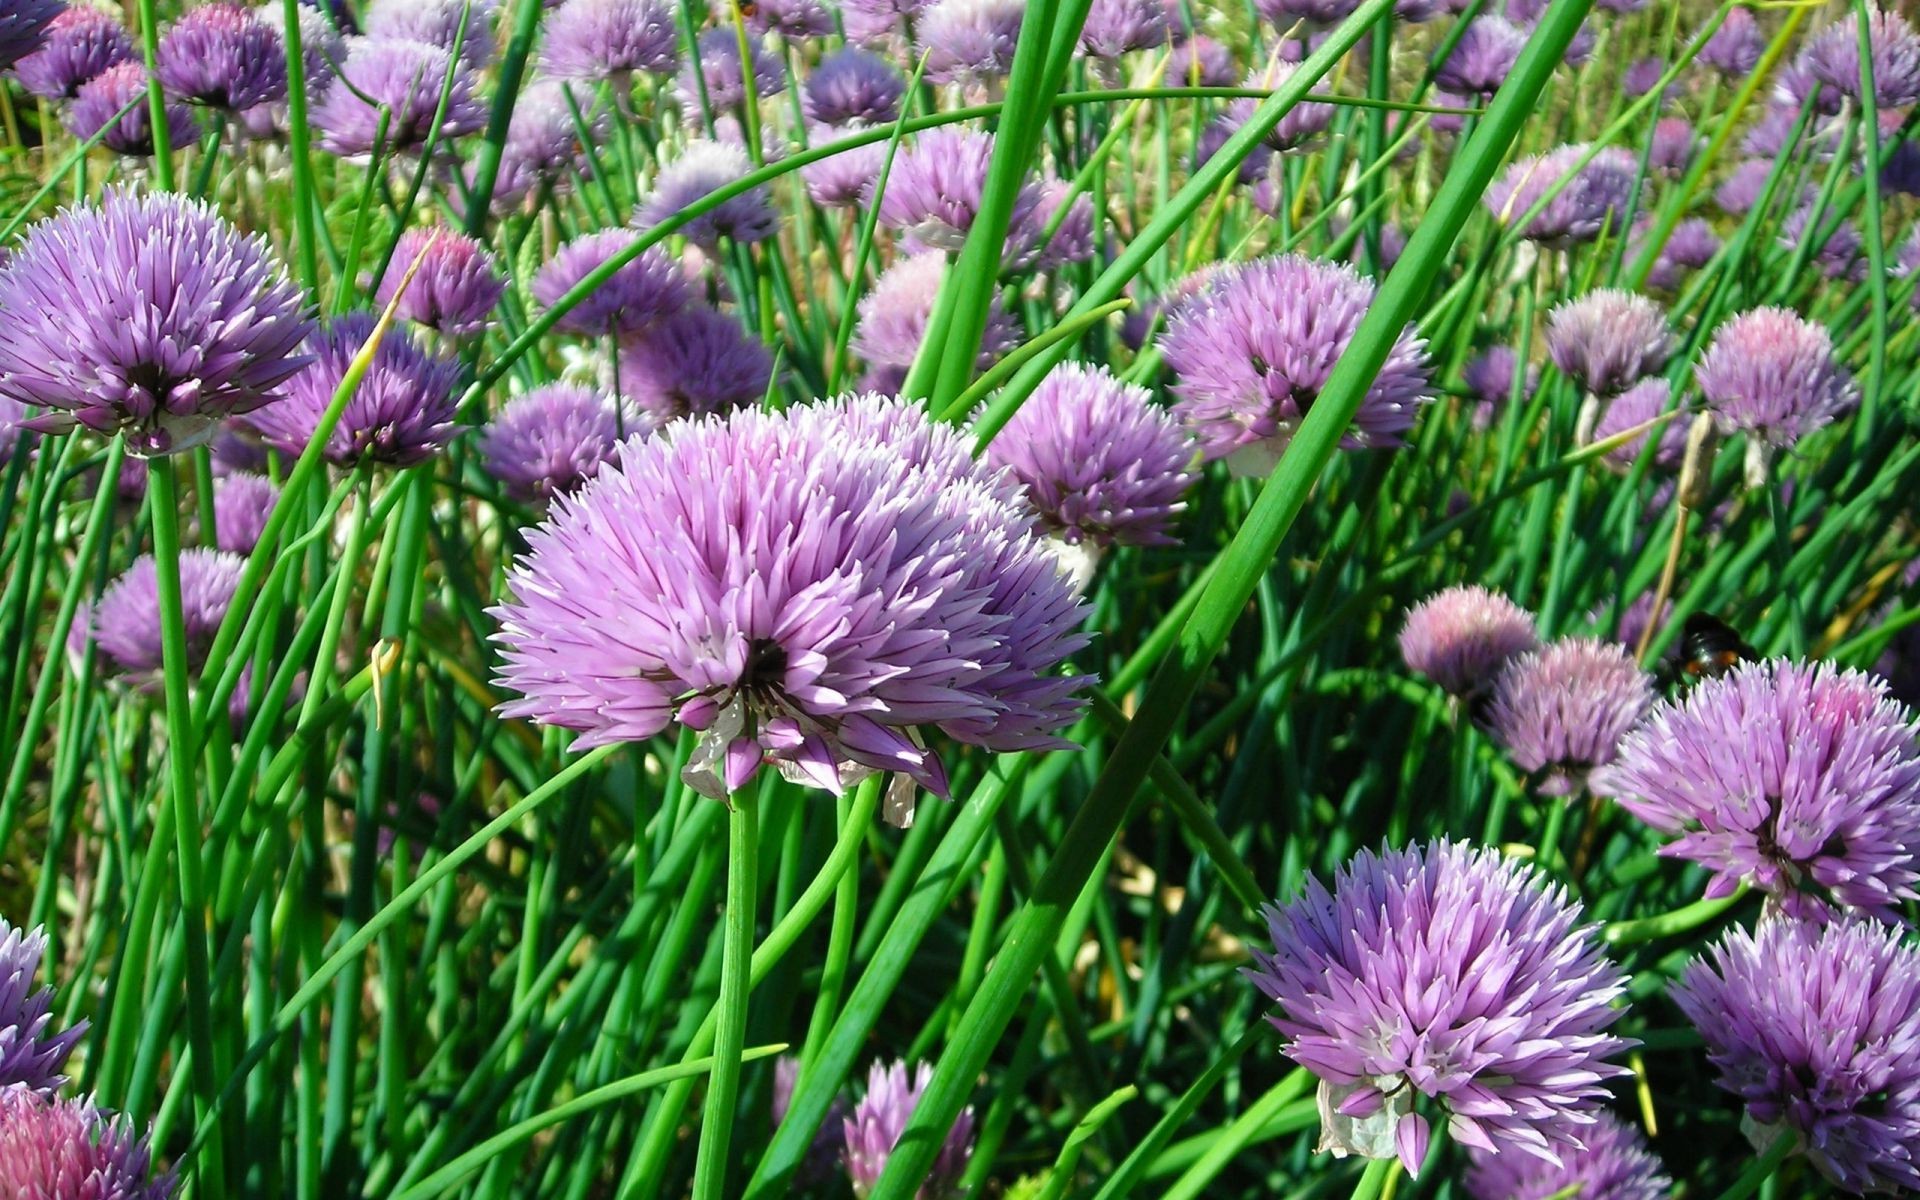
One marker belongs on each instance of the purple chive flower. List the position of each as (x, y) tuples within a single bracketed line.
[(99, 104), (1251, 353), (1493, 376), (1832, 57), (1563, 709), (1072, 242), (1772, 136), (969, 41), (1117, 27), (1461, 638), (1301, 124), (1608, 340), (235, 448), (1900, 170), (934, 189), (401, 413), (871, 22), (894, 315), (1735, 48), (1693, 244), (1816, 1028), (844, 179), (126, 622), (1771, 374), (719, 68), (1283, 13), (1453, 974), (592, 40), (1253, 168), (242, 503), (852, 86), (23, 27), (1615, 1164), (1674, 145), (824, 1154), (549, 441), (1636, 406), (874, 1129), (465, 24), (1642, 76), (1595, 196), (68, 1148), (148, 315), (704, 167), (454, 290), (1801, 779), (646, 289), (814, 588), (694, 362), (1102, 463), (31, 1055), (80, 43), (1199, 61), (224, 57), (544, 147), (1482, 58), (407, 78), (321, 46), (1743, 186), (1840, 255), (791, 19)]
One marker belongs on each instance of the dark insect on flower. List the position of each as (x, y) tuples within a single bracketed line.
[(1709, 648)]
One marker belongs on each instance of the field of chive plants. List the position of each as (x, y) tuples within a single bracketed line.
[(912, 599)]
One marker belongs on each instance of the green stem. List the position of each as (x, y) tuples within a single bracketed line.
[(736, 959), (1762, 1168), (1374, 1178), (1666, 925)]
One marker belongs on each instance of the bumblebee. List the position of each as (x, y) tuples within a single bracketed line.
[(1709, 648)]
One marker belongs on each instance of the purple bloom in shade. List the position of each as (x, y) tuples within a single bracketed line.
[(1117, 27), (549, 441), (443, 23), (1493, 376), (646, 289), (592, 40), (1302, 123), (705, 167), (1283, 13), (1563, 709), (1735, 48), (824, 1154), (1632, 622), (1816, 1028), (126, 622), (1199, 61), (1770, 374), (80, 43), (1743, 186), (934, 189), (1840, 256), (852, 86), (894, 315), (874, 1129), (1832, 57), (1798, 778), (791, 19), (843, 179), (235, 448), (1642, 76), (454, 290), (1634, 407), (1481, 59), (401, 413), (1900, 169), (147, 315), (1594, 197), (1615, 1164), (101, 107), (813, 587), (1101, 462), (1253, 168), (1072, 242), (1462, 637), (31, 1055), (969, 41), (719, 67), (1693, 244), (1251, 353), (222, 56), (406, 78), (1608, 340), (696, 361), (242, 502), (69, 1150), (1674, 144), (544, 146), (23, 27), (1772, 136), (1450, 973)]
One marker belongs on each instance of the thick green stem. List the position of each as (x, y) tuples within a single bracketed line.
[(730, 1038)]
